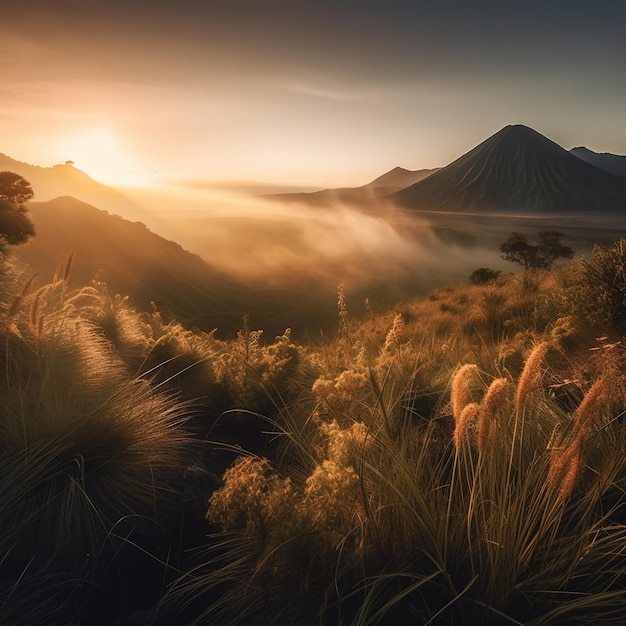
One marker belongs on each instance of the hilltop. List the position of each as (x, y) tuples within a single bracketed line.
[(517, 169), (66, 180)]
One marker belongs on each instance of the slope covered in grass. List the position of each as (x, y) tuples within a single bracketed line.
[(137, 263), (458, 459)]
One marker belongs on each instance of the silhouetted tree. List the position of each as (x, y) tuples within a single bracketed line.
[(550, 248), (542, 256), (15, 224), (14, 188)]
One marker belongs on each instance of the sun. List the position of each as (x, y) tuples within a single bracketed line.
[(100, 153)]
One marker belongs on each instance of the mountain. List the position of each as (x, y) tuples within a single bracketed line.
[(66, 180), (399, 178), (370, 194), (614, 163), (517, 169)]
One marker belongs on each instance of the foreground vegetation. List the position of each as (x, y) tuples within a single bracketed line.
[(456, 460)]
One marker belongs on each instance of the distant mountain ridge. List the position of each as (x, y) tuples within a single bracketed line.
[(371, 193), (517, 169), (400, 177), (614, 163), (66, 180)]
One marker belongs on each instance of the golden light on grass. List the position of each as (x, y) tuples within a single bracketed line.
[(495, 400), (564, 467), (531, 374), (467, 417), (595, 400), (565, 461), (461, 384)]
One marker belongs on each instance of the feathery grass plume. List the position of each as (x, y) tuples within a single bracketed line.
[(392, 340), (62, 272), (343, 311), (565, 462), (564, 467), (461, 387), (570, 474), (468, 416), (243, 336), (531, 374), (595, 400), (19, 298), (361, 358), (492, 406)]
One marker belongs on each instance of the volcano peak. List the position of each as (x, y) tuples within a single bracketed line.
[(518, 169)]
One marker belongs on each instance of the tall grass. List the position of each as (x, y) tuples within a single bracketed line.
[(87, 452), (495, 502), (455, 460)]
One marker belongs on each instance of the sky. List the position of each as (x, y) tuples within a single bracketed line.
[(315, 94)]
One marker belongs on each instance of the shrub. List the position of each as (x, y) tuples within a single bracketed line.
[(599, 293), (483, 276)]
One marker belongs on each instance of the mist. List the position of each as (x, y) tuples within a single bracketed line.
[(262, 241)]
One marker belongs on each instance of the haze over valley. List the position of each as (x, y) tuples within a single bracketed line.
[(280, 257)]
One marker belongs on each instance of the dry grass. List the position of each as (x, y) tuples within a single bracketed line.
[(459, 459)]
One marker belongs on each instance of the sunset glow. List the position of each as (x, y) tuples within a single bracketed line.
[(100, 154), (299, 94)]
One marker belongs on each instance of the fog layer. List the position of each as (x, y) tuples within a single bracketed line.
[(287, 244)]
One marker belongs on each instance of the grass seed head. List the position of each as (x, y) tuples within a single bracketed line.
[(531, 375), (493, 404), (461, 386)]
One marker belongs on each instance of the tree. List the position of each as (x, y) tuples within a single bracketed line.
[(14, 188), (15, 225), (542, 256), (517, 250), (549, 249)]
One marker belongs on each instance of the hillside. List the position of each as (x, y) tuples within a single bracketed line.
[(134, 261), (66, 180), (517, 169), (614, 163)]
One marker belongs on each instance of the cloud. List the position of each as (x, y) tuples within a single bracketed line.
[(322, 93)]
